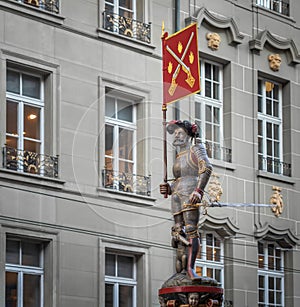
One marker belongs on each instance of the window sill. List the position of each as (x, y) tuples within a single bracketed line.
[(30, 179), (275, 177), (223, 164), (125, 41), (32, 12), (127, 197)]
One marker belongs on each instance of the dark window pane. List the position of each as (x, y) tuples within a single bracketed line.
[(11, 289), (276, 91), (260, 109), (261, 281), (110, 107), (126, 4), (216, 91), (276, 109), (125, 144), (109, 295), (32, 146), (268, 107), (32, 122), (207, 89), (215, 73), (209, 253), (13, 82), (259, 87), (31, 86), (109, 139), (31, 254), (12, 118), (125, 111), (209, 273), (12, 142), (208, 113), (207, 71), (32, 291), (125, 296), (216, 115), (218, 275), (110, 262), (125, 266), (13, 251)]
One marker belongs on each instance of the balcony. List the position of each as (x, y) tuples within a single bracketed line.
[(127, 26), (274, 166), (279, 6), (30, 162), (125, 182), (46, 5), (215, 151)]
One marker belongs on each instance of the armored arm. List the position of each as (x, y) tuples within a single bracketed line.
[(204, 172)]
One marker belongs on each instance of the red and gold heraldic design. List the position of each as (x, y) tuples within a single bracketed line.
[(180, 64)]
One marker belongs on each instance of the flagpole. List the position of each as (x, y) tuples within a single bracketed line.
[(164, 110)]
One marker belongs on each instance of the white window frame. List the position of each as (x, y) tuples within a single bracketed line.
[(119, 281), (208, 264), (25, 100), (117, 7), (267, 273), (269, 4), (273, 120), (116, 124), (203, 100), (30, 270)]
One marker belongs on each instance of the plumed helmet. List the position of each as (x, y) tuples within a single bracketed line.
[(191, 129)]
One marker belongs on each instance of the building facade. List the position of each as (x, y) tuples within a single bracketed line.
[(82, 222)]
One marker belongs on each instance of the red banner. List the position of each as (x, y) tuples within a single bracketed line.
[(181, 75)]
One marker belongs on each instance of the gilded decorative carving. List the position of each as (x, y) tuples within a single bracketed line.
[(274, 61), (213, 41), (276, 199), (215, 190)]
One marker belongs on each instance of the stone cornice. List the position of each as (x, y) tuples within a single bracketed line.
[(284, 237), (266, 36), (222, 226), (234, 35)]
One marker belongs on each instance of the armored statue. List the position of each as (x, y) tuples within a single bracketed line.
[(191, 171)]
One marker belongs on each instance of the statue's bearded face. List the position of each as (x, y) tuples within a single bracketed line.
[(194, 299), (181, 138)]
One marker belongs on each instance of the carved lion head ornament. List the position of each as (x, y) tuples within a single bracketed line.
[(214, 41)]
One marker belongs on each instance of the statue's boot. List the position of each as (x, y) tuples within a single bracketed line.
[(192, 255)]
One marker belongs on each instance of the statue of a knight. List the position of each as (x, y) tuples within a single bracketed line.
[(191, 171)]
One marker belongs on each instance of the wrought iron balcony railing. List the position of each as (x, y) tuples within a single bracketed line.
[(274, 166), (127, 26), (279, 6), (46, 5), (30, 162), (215, 151), (126, 182)]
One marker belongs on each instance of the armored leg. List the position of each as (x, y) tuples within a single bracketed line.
[(191, 216)]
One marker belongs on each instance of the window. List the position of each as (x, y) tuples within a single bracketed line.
[(270, 275), (210, 261), (120, 280), (25, 105), (24, 273), (46, 5), (280, 6), (126, 18), (120, 147), (270, 149), (209, 110)]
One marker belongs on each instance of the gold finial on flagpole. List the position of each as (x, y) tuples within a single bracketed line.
[(162, 28)]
